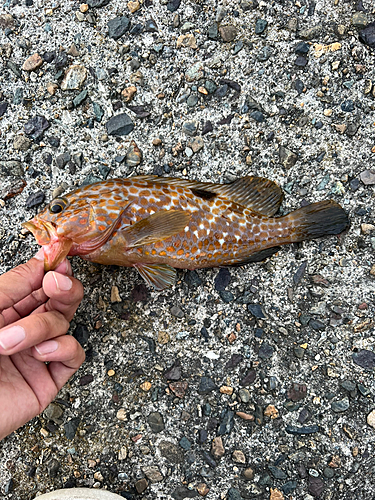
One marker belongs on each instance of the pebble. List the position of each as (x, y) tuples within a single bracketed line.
[(171, 452), (249, 474), (340, 406), (367, 35), (36, 126), (260, 26), (287, 158), (32, 63), (54, 412), (187, 40), (228, 33), (364, 358), (249, 378), (3, 108), (264, 54), (276, 472), (315, 486), (256, 310), (244, 395), (21, 143), (206, 385), (190, 128), (71, 427), (153, 474), (74, 77), (265, 351), (368, 177), (239, 457), (141, 485), (217, 448), (226, 422), (118, 26), (195, 72), (173, 5), (119, 125), (156, 422), (202, 489), (310, 429), (80, 98), (222, 279), (134, 155), (133, 6), (371, 419), (234, 494), (35, 199)]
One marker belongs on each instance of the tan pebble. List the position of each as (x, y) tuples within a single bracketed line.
[(276, 494), (32, 63), (248, 473), (157, 141), (2, 203), (238, 457), (335, 65), (91, 463), (133, 6), (225, 389), (186, 41), (129, 93), (340, 127), (77, 473), (325, 80), (231, 337), (320, 93), (44, 432), (121, 415), (202, 489), (73, 51), (355, 451), (83, 7), (327, 112), (123, 453), (249, 160), (217, 448), (271, 411), (373, 149), (372, 270), (367, 228), (52, 87), (163, 338), (203, 90), (371, 419), (110, 373), (335, 462), (115, 295), (98, 476), (245, 416), (146, 386)]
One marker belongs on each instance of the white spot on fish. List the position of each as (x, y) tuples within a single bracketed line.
[(186, 229)]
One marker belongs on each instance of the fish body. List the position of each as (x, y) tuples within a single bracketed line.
[(156, 224)]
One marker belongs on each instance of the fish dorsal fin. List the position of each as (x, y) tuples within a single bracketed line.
[(158, 226), (159, 276), (256, 193)]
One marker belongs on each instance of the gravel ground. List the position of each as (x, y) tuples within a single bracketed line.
[(248, 383)]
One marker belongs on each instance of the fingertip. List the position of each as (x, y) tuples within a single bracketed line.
[(64, 268), (39, 255)]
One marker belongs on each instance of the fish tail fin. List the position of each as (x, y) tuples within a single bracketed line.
[(319, 219)]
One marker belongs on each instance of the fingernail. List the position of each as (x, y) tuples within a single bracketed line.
[(63, 283), (63, 267), (40, 254), (47, 347), (11, 337)]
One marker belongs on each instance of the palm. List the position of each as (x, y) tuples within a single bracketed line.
[(26, 383)]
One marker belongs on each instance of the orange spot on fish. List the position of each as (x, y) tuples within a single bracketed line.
[(159, 244), (180, 252), (133, 190), (153, 251), (170, 249), (187, 255), (102, 228), (83, 221), (163, 253), (101, 218)]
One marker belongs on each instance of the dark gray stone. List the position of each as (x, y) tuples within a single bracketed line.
[(276, 472), (206, 385), (173, 5), (156, 422), (171, 452), (36, 127), (265, 351), (119, 125), (256, 310), (118, 26), (192, 279), (234, 494), (97, 3), (222, 279), (367, 35), (71, 427), (260, 26), (35, 199), (300, 431), (226, 422), (364, 358)]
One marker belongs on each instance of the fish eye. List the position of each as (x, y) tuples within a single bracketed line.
[(58, 205)]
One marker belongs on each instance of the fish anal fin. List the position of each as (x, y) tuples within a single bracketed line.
[(159, 276), (157, 227), (255, 193), (256, 257)]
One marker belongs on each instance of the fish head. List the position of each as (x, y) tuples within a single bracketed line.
[(65, 224)]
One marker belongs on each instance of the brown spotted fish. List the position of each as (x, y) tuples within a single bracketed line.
[(156, 224)]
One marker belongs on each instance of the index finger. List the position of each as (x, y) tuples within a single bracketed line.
[(21, 281)]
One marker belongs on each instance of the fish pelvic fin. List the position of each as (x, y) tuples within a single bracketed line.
[(318, 219), (158, 276), (260, 195), (157, 227)]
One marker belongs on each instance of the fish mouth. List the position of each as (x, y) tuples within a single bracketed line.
[(55, 247)]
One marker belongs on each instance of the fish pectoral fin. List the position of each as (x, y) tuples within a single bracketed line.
[(156, 227), (256, 193), (256, 257), (159, 276)]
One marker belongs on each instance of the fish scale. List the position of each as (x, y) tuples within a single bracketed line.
[(158, 224)]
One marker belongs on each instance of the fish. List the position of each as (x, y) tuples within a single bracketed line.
[(157, 224)]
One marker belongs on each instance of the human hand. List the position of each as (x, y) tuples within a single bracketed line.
[(35, 311)]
